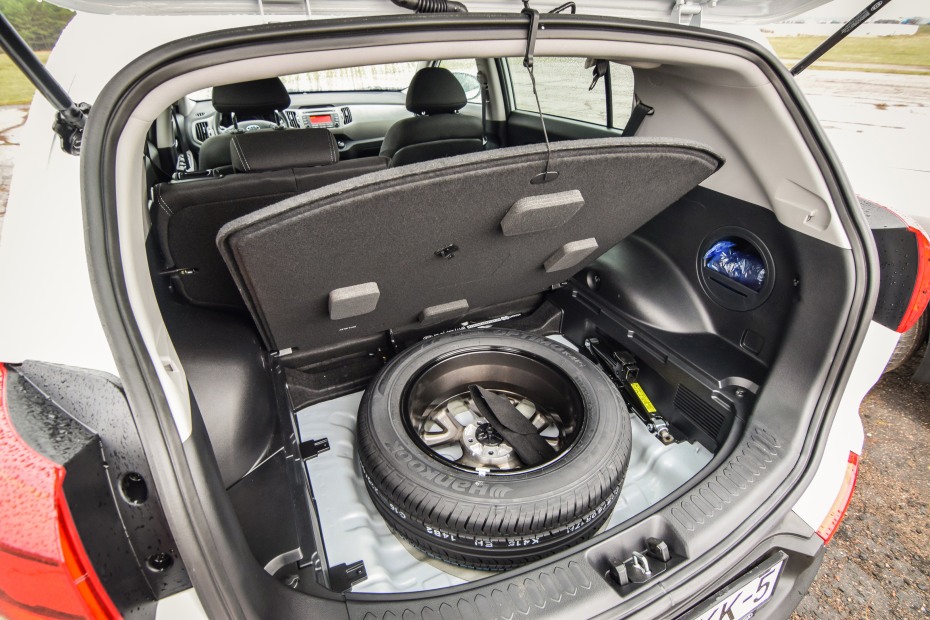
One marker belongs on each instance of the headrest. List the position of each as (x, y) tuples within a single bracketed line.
[(434, 90), (282, 149), (255, 97)]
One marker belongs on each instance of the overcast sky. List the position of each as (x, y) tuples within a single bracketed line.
[(848, 8)]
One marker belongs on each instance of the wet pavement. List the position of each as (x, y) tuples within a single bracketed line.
[(879, 125)]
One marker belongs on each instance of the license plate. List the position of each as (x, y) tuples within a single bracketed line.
[(741, 599)]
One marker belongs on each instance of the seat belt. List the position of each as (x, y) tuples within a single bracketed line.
[(185, 161), (163, 140), (153, 154), (485, 102), (640, 112)]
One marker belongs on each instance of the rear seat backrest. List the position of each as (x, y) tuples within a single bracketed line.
[(270, 166)]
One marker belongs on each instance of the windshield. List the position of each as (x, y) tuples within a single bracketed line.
[(390, 77), (395, 76)]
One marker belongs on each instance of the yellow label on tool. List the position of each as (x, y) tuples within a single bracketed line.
[(650, 408)]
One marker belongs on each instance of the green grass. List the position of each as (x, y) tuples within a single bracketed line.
[(14, 87), (911, 50)]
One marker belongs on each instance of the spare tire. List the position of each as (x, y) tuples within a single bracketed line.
[(445, 478)]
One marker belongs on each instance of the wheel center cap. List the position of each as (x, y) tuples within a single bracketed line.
[(486, 434)]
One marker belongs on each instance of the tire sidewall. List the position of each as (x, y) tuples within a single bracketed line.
[(601, 449)]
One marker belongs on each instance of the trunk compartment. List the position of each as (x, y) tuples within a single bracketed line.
[(697, 368)]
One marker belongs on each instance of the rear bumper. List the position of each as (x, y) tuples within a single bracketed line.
[(804, 559), (795, 581), (805, 555)]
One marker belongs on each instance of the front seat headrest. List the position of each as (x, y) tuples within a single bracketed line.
[(255, 97), (435, 90), (280, 150)]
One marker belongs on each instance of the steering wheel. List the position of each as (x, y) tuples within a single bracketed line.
[(249, 126)]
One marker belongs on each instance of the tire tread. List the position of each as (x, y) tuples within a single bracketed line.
[(545, 513)]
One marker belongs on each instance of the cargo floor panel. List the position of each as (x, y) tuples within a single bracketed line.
[(353, 529)]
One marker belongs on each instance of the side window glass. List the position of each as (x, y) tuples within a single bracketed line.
[(465, 71), (564, 87), (562, 84)]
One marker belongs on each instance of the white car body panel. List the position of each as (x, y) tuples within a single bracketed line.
[(846, 433), (48, 310)]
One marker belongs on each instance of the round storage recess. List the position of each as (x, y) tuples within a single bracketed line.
[(736, 269)]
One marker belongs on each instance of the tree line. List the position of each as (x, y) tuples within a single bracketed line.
[(39, 23)]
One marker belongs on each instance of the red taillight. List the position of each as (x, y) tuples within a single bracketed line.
[(921, 294), (44, 570), (833, 519)]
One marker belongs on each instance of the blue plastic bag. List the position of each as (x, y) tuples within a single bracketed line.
[(746, 268)]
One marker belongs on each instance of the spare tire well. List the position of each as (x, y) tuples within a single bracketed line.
[(480, 517)]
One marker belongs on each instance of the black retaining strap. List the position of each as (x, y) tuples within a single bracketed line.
[(510, 424), (485, 102)]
